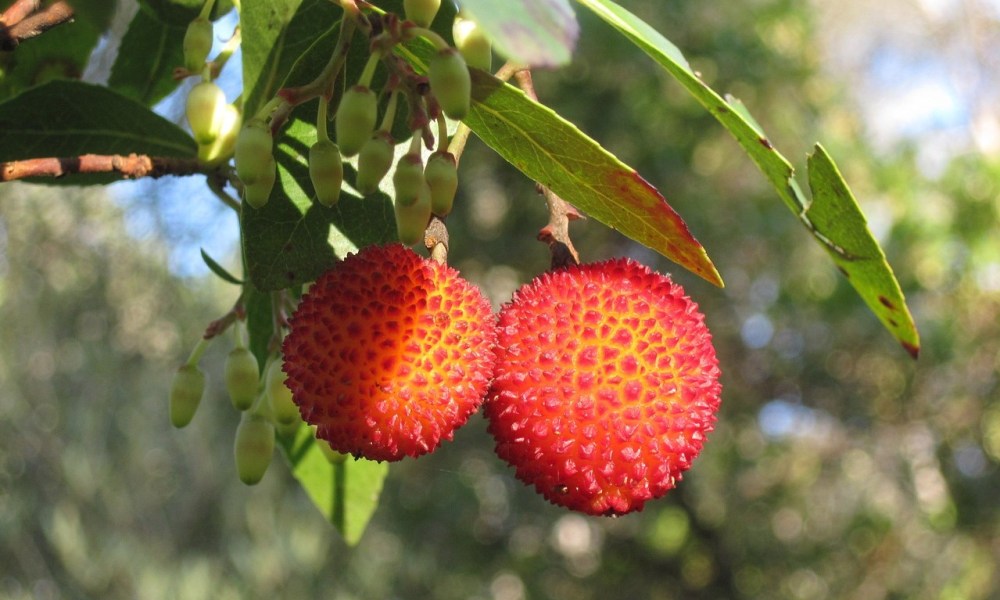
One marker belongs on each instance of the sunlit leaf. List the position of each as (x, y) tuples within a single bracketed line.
[(735, 117), (346, 493), (553, 152), (835, 211)]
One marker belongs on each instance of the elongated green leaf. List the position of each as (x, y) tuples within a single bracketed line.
[(219, 269), (537, 33), (61, 53), (276, 33), (834, 210), (347, 493), (735, 117), (293, 239), (181, 12), (68, 118), (149, 52), (553, 152)]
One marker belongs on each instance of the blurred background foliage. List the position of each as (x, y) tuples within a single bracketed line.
[(839, 468)]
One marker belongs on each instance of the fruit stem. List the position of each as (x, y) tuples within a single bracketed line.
[(432, 36), (227, 51), (369, 71), (390, 112), (206, 9), (321, 118), (216, 183), (238, 334), (415, 143), (198, 352), (442, 133)]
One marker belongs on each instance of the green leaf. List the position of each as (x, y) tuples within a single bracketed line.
[(276, 33), (556, 154), (536, 33), (553, 152), (293, 239), (182, 12), (347, 493), (835, 211), (880, 282), (149, 52), (260, 323), (219, 269), (96, 13), (70, 118), (60, 53)]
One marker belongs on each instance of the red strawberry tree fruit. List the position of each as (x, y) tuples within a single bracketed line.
[(356, 344)]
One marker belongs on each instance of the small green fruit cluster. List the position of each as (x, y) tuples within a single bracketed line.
[(255, 163), (355, 120), (186, 391), (472, 42), (413, 199), (197, 44), (326, 171), (421, 12)]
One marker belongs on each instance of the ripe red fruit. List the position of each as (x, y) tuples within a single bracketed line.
[(389, 353), (605, 386)]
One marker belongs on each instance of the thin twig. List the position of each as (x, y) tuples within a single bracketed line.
[(132, 166), (13, 32), (556, 232)]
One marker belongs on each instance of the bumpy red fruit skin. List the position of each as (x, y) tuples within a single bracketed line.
[(389, 353), (605, 386)]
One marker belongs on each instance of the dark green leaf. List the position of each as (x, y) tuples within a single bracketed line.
[(292, 239), (553, 152), (219, 269), (96, 13), (60, 53), (182, 12), (836, 213), (347, 493), (276, 33), (879, 280), (539, 33), (149, 52), (260, 323), (70, 118)]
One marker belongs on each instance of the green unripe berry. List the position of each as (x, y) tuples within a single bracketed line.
[(186, 391), (283, 408), (253, 448), (442, 178), (205, 107), (450, 82), (242, 377), (253, 152), (355, 120), (257, 194), (472, 42), (421, 12), (413, 199), (326, 171), (222, 148), (374, 162), (197, 44)]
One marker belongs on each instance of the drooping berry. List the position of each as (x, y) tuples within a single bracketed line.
[(374, 162), (326, 171), (222, 148), (606, 385), (186, 391), (205, 110), (257, 194), (442, 178), (473, 43), (253, 151), (389, 353), (197, 44), (253, 447), (283, 408), (421, 12), (412, 206), (450, 82), (242, 377), (355, 120)]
